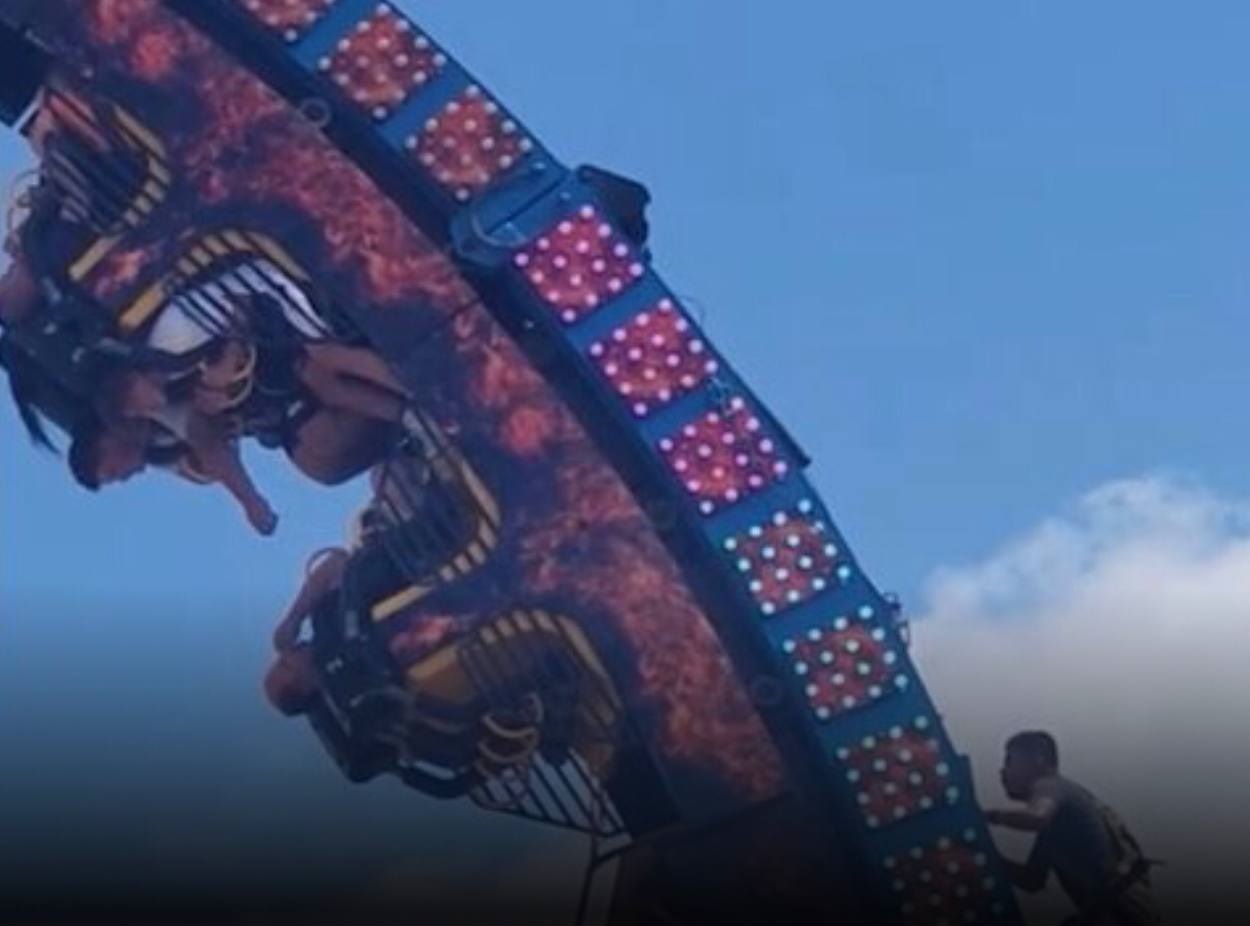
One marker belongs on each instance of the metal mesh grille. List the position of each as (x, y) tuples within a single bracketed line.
[(428, 515), (245, 296), (514, 669), (553, 717), (107, 190)]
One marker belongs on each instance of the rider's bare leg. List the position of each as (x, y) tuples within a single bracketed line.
[(334, 445), (358, 362), (335, 389)]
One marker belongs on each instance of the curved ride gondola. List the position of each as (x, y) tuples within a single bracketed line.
[(594, 587)]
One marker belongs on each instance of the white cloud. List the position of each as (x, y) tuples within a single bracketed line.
[(1123, 626)]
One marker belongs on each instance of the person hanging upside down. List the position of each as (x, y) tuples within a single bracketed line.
[(116, 442), (291, 682), (333, 407), (112, 445)]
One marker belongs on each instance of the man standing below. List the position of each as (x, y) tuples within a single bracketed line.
[(1097, 861)]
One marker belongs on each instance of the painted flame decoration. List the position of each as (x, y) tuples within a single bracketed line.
[(572, 533)]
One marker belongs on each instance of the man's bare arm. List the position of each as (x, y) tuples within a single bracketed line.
[(1033, 818), (1026, 820)]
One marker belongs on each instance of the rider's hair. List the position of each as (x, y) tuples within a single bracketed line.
[(25, 386), (84, 452), (1037, 744), (113, 380)]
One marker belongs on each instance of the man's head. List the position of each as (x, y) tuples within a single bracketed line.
[(1030, 756), (99, 455)]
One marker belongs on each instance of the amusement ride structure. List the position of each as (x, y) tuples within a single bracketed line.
[(594, 588)]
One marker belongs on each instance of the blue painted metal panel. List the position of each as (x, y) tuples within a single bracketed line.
[(321, 39)]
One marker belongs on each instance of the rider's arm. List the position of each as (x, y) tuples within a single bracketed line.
[(219, 458), (323, 577)]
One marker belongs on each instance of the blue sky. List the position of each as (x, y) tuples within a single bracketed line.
[(980, 258)]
